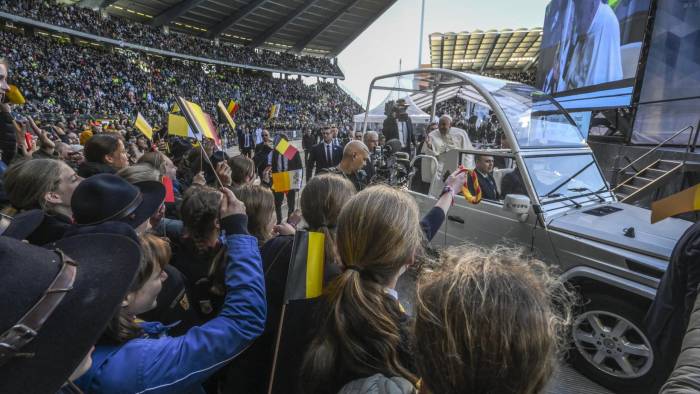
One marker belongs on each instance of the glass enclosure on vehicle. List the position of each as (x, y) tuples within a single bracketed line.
[(564, 178), (535, 119)]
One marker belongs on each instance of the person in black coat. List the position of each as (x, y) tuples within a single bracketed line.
[(308, 140), (669, 313), (325, 154), (398, 126), (512, 183), (246, 141), (279, 163), (262, 150), (484, 173)]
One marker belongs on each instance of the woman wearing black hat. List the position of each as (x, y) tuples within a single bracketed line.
[(55, 303), (144, 363), (44, 184), (107, 197)]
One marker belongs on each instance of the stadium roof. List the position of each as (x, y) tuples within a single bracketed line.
[(314, 27), (485, 51)]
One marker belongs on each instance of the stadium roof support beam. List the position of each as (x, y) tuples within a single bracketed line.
[(488, 55), (359, 31), (234, 18), (532, 62), (260, 39), (299, 46), (174, 12)]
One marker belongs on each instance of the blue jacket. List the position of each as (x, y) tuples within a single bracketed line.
[(181, 364)]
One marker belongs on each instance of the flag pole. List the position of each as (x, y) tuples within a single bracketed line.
[(277, 348)]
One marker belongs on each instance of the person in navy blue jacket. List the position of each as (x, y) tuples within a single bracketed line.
[(157, 363)]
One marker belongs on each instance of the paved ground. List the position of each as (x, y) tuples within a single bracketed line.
[(566, 381)]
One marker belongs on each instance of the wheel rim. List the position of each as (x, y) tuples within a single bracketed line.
[(613, 344)]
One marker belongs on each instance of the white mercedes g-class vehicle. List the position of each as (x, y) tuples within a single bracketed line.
[(564, 212)]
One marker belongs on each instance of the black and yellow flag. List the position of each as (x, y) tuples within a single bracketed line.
[(305, 278)]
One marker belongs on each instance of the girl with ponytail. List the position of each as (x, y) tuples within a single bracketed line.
[(364, 331), (322, 199)]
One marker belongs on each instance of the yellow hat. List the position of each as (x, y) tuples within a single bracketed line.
[(85, 136)]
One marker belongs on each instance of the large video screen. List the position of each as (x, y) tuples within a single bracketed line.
[(590, 50), (669, 98)]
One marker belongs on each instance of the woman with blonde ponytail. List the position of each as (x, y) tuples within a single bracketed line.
[(364, 332), (321, 202)]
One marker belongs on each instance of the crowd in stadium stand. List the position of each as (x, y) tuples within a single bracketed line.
[(90, 21), (84, 80), (526, 77)]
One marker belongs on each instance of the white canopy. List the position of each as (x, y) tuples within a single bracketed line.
[(376, 114)]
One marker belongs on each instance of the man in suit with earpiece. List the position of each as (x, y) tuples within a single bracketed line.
[(325, 154)]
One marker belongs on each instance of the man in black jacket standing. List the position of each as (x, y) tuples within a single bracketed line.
[(260, 158), (325, 154), (308, 140), (398, 126)]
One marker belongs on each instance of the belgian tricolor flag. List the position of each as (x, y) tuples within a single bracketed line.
[(305, 277), (300, 311)]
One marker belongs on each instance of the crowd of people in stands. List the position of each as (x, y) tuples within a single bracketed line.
[(62, 78), (527, 77), (111, 26)]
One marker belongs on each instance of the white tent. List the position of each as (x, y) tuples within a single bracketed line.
[(376, 115)]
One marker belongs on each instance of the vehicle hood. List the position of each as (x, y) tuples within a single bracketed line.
[(656, 240)]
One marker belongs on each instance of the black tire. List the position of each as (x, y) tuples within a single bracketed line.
[(607, 308)]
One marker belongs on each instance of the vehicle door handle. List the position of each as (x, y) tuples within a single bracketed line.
[(454, 218)]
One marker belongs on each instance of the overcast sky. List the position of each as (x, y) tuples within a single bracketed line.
[(395, 34)]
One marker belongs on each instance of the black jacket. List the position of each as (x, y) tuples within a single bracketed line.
[(88, 169), (260, 157), (8, 137), (317, 158), (487, 185), (308, 141), (668, 316), (512, 183), (391, 131), (51, 229)]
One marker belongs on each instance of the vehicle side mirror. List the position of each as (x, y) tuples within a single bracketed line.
[(518, 204)]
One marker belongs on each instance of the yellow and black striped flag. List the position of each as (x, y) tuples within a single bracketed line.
[(305, 278)]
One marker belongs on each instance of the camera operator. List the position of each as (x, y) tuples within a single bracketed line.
[(371, 140), (350, 167), (398, 126)]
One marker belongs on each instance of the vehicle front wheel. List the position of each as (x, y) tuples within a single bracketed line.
[(610, 346)]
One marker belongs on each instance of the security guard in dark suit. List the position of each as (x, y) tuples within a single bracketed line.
[(325, 154)]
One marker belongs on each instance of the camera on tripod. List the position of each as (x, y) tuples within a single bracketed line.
[(392, 166)]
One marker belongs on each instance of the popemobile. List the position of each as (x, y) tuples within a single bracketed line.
[(567, 215)]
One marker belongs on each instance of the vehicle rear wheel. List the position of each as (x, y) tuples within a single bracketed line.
[(609, 345)]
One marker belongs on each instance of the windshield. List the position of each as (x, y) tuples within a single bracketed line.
[(535, 120), (556, 177)]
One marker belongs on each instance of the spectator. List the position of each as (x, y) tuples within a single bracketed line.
[(321, 201), (260, 208), (63, 336), (104, 153), (365, 330), (279, 163), (128, 362), (489, 322), (44, 184), (242, 171)]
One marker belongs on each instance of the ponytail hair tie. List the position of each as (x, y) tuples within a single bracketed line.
[(353, 268)]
